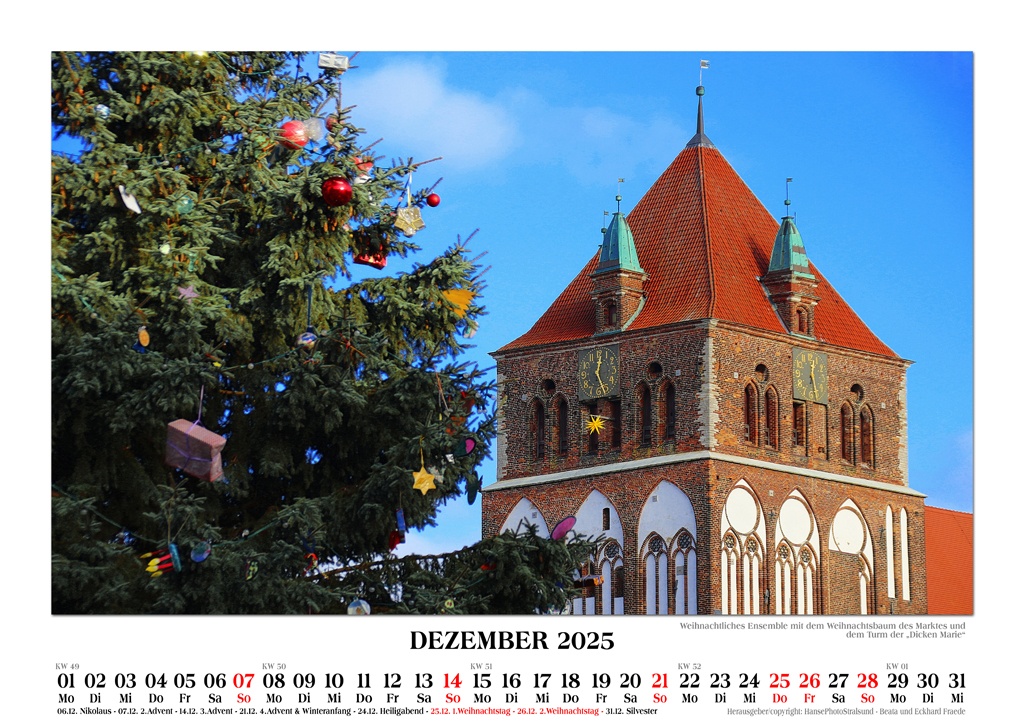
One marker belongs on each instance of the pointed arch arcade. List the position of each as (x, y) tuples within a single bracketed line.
[(667, 537), (742, 551), (597, 516), (797, 558), (525, 512)]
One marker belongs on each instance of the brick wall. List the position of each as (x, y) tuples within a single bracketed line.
[(709, 363)]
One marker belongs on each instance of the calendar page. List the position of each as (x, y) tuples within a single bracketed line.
[(519, 381)]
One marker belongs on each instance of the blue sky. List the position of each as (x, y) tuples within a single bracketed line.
[(879, 145)]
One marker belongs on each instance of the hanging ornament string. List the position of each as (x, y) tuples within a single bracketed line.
[(193, 448), (440, 394), (337, 108), (408, 219)]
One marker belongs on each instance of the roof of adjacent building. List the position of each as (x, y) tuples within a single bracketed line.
[(704, 241), (949, 561)]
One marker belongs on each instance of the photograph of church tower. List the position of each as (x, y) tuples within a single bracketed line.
[(702, 399)]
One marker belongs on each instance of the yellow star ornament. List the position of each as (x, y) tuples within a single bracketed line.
[(460, 298), (595, 423), (423, 480)]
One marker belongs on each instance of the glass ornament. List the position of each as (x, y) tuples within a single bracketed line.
[(358, 607), (336, 191), (185, 204), (316, 128), (293, 135), (201, 552), (307, 339)]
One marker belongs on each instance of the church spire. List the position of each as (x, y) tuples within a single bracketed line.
[(618, 251), (699, 139), (618, 290), (788, 253), (789, 281)]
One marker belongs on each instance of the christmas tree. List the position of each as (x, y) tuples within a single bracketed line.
[(239, 425)]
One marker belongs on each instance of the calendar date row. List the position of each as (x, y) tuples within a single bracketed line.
[(694, 679)]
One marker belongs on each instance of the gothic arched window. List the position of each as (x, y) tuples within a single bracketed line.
[(615, 410), (537, 429), (799, 424), (846, 432), (771, 415), (593, 439), (644, 401), (685, 558), (867, 437), (656, 573), (750, 414), (562, 425), (668, 410)]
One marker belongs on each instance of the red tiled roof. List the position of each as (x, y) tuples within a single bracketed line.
[(703, 239), (949, 561)]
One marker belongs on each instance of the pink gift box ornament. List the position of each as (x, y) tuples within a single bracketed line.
[(195, 449)]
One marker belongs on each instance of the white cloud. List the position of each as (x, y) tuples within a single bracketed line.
[(410, 104), (419, 113)]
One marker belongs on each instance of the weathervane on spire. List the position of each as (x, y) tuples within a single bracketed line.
[(618, 195), (788, 202), (700, 101)]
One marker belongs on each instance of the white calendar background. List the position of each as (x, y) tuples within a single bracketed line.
[(40, 647)]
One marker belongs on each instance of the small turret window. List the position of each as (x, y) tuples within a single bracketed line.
[(610, 314), (802, 322)]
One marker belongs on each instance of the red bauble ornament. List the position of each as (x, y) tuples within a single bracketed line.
[(433, 200), (373, 259), (395, 539), (336, 191), (293, 135)]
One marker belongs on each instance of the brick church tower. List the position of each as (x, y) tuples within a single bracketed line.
[(701, 397)]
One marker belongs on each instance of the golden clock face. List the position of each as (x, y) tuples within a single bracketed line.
[(599, 372), (810, 376)]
